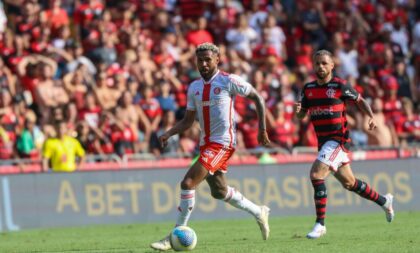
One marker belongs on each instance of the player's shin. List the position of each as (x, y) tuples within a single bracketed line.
[(186, 206), (236, 199), (365, 191), (320, 197)]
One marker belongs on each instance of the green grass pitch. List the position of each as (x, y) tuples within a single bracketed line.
[(346, 233)]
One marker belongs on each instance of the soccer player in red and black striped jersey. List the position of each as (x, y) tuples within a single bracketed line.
[(325, 100)]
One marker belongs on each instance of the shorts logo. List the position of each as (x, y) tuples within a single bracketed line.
[(217, 90), (331, 93), (208, 154)]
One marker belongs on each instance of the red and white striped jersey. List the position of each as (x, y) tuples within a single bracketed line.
[(213, 102)]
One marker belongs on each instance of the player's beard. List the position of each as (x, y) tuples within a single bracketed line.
[(206, 74), (322, 75)]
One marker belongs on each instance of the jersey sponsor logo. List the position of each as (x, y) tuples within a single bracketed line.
[(217, 90), (330, 93), (214, 102), (310, 85), (332, 85), (322, 111)]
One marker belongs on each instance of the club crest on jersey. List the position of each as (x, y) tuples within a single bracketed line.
[(330, 93), (197, 93), (217, 90)]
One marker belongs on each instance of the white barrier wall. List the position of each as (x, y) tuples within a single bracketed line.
[(135, 196)]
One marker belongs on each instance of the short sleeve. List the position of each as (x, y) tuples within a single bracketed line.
[(190, 99), (239, 86), (349, 93), (80, 152), (303, 100), (47, 149)]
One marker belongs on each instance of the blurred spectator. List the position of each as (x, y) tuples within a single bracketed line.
[(74, 61), (63, 153), (248, 130), (384, 134), (314, 22), (392, 104), (31, 138), (3, 18), (241, 37), (173, 147), (8, 124), (283, 131), (49, 93), (7, 79), (166, 99), (348, 60), (198, 33), (411, 124), (56, 16), (133, 117), (106, 97), (91, 111), (406, 86), (151, 108)]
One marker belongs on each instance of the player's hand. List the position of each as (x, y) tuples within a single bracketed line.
[(372, 124), (298, 107), (163, 140), (263, 138)]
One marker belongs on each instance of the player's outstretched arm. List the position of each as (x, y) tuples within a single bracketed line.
[(364, 106), (260, 106), (179, 127)]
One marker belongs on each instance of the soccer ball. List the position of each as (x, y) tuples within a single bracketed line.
[(183, 238)]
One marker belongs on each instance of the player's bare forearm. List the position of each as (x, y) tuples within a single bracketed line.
[(364, 106), (183, 124), (260, 107)]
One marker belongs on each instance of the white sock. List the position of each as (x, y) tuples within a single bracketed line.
[(186, 206), (236, 199)]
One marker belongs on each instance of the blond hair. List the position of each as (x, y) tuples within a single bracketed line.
[(207, 47)]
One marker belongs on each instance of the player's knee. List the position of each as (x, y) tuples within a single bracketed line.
[(187, 184), (218, 193)]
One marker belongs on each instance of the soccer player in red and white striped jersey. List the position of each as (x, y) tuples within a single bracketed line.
[(211, 100), (325, 100)]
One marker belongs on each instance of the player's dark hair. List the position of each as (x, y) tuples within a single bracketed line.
[(322, 52)]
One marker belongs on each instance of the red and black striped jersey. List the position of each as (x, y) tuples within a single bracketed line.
[(326, 106)]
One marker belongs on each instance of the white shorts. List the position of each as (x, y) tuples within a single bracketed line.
[(333, 155)]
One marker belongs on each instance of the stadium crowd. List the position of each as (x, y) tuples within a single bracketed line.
[(117, 71)]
